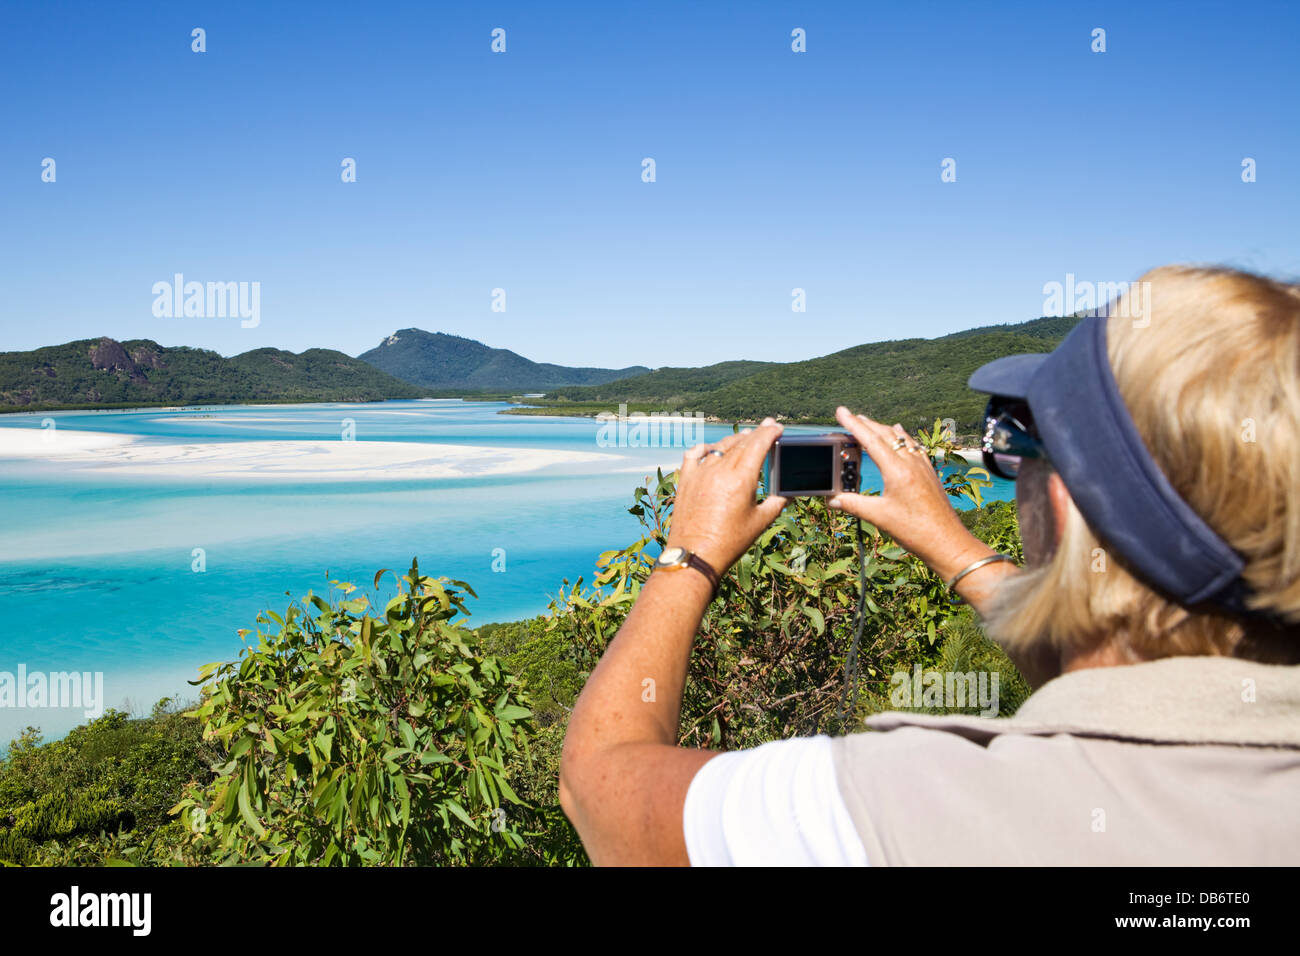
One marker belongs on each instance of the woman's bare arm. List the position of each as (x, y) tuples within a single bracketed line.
[(623, 779)]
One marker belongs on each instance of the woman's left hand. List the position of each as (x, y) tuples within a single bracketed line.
[(715, 513)]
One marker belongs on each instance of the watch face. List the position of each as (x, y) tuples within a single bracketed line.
[(671, 556)]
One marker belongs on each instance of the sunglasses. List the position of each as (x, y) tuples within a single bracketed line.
[(1009, 437)]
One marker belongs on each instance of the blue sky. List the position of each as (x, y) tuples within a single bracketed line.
[(522, 170)]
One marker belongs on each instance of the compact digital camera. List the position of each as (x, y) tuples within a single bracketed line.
[(813, 465)]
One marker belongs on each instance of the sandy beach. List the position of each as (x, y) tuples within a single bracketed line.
[(129, 456)]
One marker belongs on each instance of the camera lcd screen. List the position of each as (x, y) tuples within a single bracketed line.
[(806, 467)]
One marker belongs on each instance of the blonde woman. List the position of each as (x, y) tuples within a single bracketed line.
[(1157, 463)]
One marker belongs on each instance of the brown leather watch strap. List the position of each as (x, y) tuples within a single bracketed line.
[(699, 564)]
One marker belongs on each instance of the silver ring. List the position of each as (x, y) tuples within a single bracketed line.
[(714, 451), (898, 443)]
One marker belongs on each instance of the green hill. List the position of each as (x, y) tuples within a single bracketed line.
[(435, 360), (665, 384), (912, 381), (100, 372)]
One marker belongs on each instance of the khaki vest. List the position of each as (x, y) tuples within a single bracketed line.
[(1186, 761)]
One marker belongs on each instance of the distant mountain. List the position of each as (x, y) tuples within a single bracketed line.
[(435, 360), (911, 381), (141, 372)]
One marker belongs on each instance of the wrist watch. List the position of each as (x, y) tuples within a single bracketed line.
[(674, 559)]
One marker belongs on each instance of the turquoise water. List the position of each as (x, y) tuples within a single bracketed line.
[(95, 569)]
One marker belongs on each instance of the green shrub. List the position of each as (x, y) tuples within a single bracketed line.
[(57, 817), (351, 739), (102, 790), (996, 525)]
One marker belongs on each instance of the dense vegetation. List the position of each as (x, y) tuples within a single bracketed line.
[(346, 733), (911, 381), (435, 360), (666, 385), (105, 791), (103, 372)]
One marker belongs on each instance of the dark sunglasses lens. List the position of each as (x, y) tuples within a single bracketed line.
[(1004, 466)]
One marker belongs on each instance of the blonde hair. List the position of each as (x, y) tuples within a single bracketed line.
[(1208, 363)]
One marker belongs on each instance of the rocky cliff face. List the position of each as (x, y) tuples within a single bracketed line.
[(147, 357), (108, 355)]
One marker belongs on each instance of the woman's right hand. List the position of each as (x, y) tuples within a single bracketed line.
[(913, 507)]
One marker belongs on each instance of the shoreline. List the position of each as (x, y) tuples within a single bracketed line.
[(38, 409)]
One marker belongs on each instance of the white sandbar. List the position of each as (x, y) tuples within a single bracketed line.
[(336, 460)]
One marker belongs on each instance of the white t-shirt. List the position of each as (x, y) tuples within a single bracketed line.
[(774, 805)]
